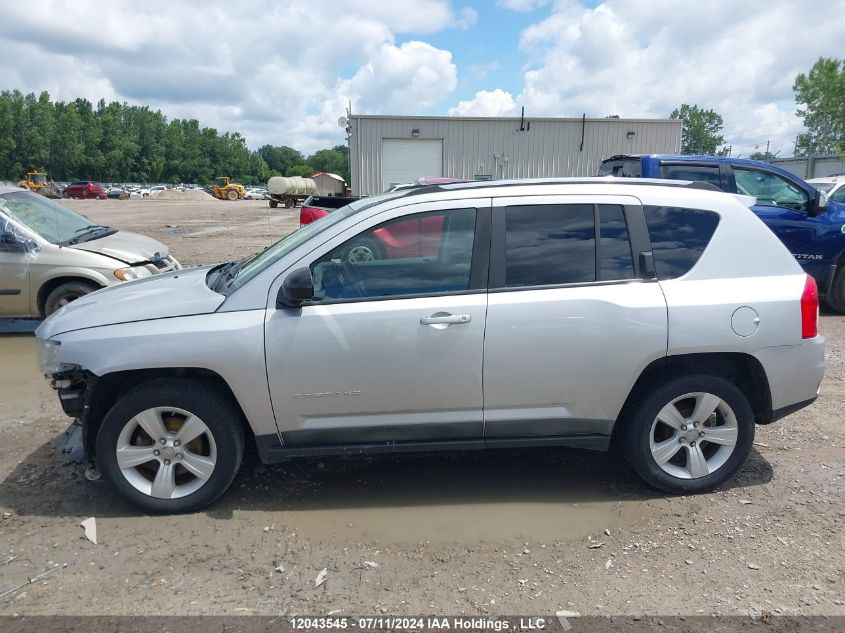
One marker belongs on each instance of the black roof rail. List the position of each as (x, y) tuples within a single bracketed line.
[(484, 184)]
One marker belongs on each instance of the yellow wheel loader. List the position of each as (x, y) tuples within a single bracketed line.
[(38, 182), (225, 189)]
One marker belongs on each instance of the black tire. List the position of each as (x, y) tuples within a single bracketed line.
[(65, 194), (357, 251), (218, 413), (638, 427), (835, 299), (64, 293), (290, 203), (273, 204)]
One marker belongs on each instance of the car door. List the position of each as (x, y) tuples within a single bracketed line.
[(390, 349), (784, 206), (574, 315), (14, 271)]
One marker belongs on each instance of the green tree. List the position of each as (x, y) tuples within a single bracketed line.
[(300, 170), (702, 130), (820, 95), (334, 161), (280, 158)]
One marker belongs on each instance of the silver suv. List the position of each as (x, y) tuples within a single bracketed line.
[(660, 317)]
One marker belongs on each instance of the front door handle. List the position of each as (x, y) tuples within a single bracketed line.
[(445, 319)]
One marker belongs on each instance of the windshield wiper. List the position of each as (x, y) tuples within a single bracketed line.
[(226, 272), (85, 231)]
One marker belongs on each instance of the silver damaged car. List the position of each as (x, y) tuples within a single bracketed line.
[(659, 318)]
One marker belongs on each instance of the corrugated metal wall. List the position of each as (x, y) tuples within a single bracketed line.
[(496, 147), (813, 167)]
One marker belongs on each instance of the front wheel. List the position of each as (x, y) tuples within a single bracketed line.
[(689, 434), (64, 293), (171, 445)]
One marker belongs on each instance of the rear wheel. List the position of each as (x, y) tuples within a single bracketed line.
[(64, 293), (290, 203), (232, 194), (273, 203), (835, 299), (690, 434), (171, 445)]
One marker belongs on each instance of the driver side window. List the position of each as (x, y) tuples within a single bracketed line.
[(423, 253), (770, 189)]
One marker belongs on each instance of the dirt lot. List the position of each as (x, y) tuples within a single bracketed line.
[(517, 532)]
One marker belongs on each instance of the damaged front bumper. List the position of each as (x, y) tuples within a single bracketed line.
[(75, 388)]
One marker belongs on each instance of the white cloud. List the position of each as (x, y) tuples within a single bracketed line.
[(522, 5), (276, 72), (486, 103), (645, 59), (405, 79)]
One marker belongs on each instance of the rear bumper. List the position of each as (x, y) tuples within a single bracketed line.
[(794, 373)]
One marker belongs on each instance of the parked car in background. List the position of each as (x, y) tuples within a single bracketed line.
[(139, 193), (50, 255), (662, 318), (117, 193), (84, 189), (809, 225), (833, 186), (256, 193), (157, 189)]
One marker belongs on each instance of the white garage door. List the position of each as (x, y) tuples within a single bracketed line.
[(404, 160)]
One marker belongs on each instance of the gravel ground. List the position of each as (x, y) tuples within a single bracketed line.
[(507, 532)]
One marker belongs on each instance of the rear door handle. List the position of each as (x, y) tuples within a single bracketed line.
[(443, 318)]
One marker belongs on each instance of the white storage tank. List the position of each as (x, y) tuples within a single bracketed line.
[(291, 186)]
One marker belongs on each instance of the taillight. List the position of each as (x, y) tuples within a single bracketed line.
[(810, 309)]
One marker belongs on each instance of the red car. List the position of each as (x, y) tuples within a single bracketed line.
[(408, 238), (84, 189)]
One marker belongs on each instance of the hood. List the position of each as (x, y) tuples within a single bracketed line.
[(130, 248), (180, 293)]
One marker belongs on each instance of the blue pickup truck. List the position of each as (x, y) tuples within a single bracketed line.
[(811, 227)]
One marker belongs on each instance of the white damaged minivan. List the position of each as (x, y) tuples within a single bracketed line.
[(50, 255)]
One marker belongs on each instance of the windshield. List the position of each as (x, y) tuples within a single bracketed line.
[(53, 222), (266, 258), (39, 179)]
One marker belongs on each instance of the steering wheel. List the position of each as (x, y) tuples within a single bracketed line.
[(348, 278)]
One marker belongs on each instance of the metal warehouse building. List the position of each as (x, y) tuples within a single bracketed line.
[(389, 150)]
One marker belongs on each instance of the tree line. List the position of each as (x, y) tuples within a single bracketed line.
[(118, 142)]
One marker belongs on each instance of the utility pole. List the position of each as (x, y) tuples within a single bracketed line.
[(767, 151)]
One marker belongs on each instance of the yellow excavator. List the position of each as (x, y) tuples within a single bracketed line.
[(225, 189), (38, 182)]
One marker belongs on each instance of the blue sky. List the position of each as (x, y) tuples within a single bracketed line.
[(282, 73)]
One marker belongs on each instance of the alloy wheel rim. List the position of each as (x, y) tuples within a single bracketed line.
[(166, 452), (694, 435), (361, 253)]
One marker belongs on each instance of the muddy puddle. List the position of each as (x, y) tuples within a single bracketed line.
[(21, 385), (535, 496)]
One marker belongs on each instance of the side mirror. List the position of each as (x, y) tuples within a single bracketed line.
[(297, 287), (819, 203)]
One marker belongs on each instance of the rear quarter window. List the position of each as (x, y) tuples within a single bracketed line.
[(678, 237), (623, 168)]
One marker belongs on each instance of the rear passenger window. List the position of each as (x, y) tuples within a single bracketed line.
[(678, 237), (701, 173), (549, 245)]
